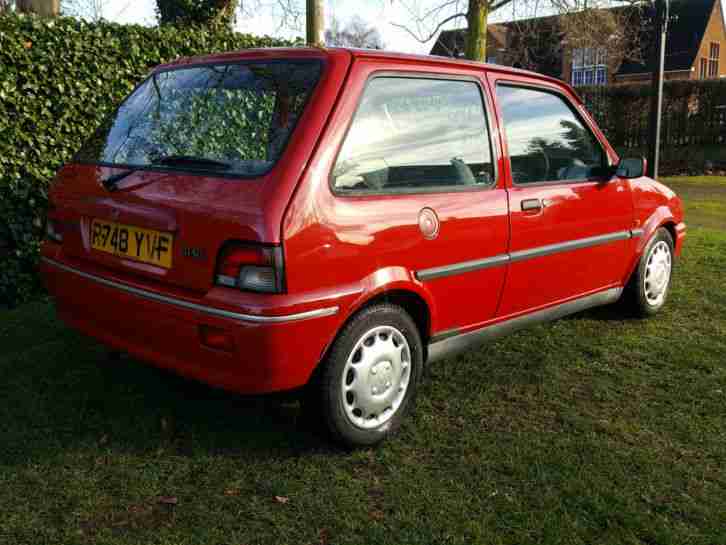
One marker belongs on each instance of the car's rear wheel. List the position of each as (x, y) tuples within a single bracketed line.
[(369, 378), (650, 284)]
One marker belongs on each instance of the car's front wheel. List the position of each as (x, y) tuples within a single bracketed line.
[(650, 284), (369, 378)]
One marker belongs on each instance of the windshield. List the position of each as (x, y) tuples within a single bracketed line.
[(230, 118)]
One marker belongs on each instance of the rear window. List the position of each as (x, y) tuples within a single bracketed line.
[(229, 118)]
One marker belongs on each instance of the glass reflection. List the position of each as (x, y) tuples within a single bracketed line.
[(413, 134), (235, 118), (546, 139)]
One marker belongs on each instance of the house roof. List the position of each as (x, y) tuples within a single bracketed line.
[(451, 41), (689, 19), (497, 34)]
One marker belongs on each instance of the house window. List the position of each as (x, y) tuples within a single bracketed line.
[(589, 66), (703, 73), (713, 57)]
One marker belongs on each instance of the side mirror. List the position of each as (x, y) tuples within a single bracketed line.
[(632, 168)]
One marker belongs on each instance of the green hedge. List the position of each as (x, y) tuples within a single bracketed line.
[(58, 79), (694, 113)]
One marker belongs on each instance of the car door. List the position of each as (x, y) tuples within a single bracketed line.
[(571, 218), (406, 194)]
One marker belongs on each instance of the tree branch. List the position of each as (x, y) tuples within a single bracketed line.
[(496, 5), (434, 32)]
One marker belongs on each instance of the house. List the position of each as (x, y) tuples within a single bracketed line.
[(696, 41)]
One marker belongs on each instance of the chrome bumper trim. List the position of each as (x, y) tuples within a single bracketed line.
[(318, 313)]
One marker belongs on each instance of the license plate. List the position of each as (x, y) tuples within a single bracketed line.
[(144, 245)]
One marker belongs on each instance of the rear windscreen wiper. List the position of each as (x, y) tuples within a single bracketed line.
[(111, 182), (190, 160)]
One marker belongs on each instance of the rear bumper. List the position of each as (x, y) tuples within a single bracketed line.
[(270, 352)]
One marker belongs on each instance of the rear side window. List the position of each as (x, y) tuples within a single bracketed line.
[(546, 139), (415, 135), (229, 118)]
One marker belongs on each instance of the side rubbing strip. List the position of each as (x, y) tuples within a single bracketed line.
[(466, 266), (503, 259), (637, 233), (193, 306), (568, 246)]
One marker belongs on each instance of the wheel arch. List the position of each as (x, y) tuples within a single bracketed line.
[(666, 221), (409, 297), (670, 226)]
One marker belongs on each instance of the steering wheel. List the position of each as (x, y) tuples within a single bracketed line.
[(546, 161), (529, 169)]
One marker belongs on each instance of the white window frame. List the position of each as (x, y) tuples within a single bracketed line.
[(714, 55), (589, 66)]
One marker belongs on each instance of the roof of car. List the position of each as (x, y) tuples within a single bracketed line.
[(449, 61), (375, 54)]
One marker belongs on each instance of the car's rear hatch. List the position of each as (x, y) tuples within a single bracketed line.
[(199, 155), (171, 225)]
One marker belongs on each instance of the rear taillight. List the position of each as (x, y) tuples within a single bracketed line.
[(54, 230), (251, 267)]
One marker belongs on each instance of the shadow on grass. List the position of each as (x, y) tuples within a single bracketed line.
[(72, 394), (616, 312), (63, 391)]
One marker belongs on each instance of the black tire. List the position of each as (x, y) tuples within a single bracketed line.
[(637, 295), (325, 397)]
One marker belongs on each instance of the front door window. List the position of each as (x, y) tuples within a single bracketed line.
[(547, 140)]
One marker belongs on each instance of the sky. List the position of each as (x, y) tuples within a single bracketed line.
[(378, 13)]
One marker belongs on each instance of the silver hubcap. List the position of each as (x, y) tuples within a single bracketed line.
[(376, 377), (658, 273)]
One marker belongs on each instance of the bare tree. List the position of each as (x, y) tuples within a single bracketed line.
[(615, 24), (49, 8), (289, 14), (428, 22), (357, 33), (92, 10), (315, 23), (607, 31), (294, 15)]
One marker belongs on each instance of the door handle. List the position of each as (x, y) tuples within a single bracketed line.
[(530, 205)]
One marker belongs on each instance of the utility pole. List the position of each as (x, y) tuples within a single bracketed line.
[(662, 8), (315, 36)]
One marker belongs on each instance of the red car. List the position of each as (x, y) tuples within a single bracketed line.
[(337, 219)]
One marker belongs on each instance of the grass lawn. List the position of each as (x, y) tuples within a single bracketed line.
[(590, 430)]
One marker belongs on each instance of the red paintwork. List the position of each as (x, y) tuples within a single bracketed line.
[(338, 251), (575, 210)]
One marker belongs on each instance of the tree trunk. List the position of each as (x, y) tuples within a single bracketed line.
[(476, 39), (48, 8), (315, 23)]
